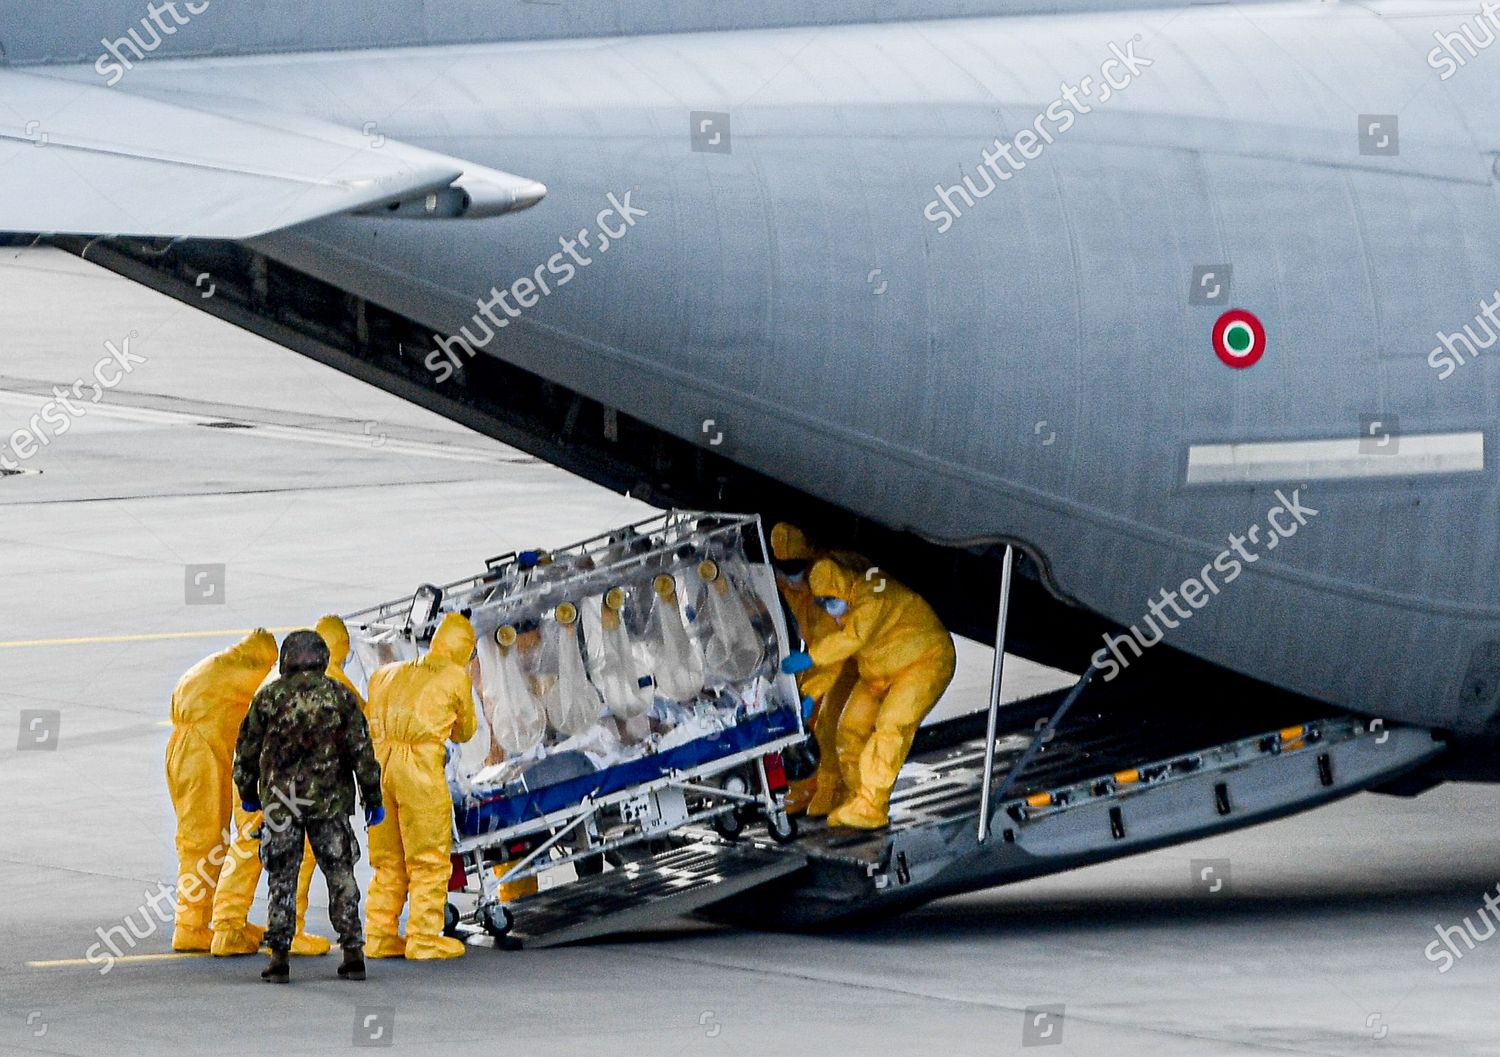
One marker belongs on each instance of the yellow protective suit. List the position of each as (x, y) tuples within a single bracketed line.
[(415, 707), (828, 687), (905, 658), (208, 705), (233, 933)]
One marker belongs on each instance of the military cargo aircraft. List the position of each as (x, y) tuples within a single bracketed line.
[(1187, 303)]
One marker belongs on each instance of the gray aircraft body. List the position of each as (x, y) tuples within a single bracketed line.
[(792, 239)]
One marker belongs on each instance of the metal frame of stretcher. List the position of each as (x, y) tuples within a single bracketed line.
[(630, 808), (490, 912), (394, 615)]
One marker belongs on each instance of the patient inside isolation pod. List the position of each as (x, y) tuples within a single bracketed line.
[(645, 645), (621, 669), (733, 649), (516, 718)]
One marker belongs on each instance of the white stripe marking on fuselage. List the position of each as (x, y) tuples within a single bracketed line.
[(1342, 459)]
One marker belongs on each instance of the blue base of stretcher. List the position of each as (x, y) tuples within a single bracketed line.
[(499, 811)]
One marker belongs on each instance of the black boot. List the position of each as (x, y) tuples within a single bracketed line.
[(278, 972), (354, 964)]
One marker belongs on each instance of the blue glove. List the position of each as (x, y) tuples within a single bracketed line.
[(808, 705), (250, 807), (374, 816), (795, 663)]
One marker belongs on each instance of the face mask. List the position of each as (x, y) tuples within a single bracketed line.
[(835, 607)]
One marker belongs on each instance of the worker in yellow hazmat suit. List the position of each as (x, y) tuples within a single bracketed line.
[(828, 687), (415, 707), (905, 658), (233, 932), (208, 705)]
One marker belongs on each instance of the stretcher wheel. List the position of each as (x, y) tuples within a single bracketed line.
[(590, 865), (782, 827), (496, 920), (450, 919), (729, 825)]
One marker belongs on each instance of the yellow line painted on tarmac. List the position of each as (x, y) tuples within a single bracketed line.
[(160, 636), (73, 963)]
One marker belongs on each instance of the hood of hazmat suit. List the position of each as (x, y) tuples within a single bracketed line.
[(430, 700), (789, 543), (336, 635), (887, 628), (215, 693)]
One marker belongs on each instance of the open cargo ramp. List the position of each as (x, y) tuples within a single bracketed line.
[(1111, 783), (647, 893)]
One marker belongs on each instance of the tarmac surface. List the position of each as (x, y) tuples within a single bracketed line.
[(226, 483)]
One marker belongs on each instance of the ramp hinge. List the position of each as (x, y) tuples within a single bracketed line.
[(1221, 798), (1116, 823)]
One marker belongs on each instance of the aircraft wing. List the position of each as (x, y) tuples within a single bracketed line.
[(89, 160)]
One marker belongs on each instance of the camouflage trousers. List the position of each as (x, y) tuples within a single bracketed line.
[(336, 849)]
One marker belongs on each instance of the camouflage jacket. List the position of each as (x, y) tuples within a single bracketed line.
[(303, 746)]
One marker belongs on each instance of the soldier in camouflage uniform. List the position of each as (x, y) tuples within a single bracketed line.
[(302, 748)]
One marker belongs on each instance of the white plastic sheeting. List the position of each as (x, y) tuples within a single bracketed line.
[(609, 650), (677, 664), (571, 701), (620, 672), (732, 650), (516, 719)]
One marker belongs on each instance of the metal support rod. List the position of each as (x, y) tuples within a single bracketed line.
[(521, 870), (996, 670), (769, 798), (1044, 734), (717, 793), (480, 875)]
